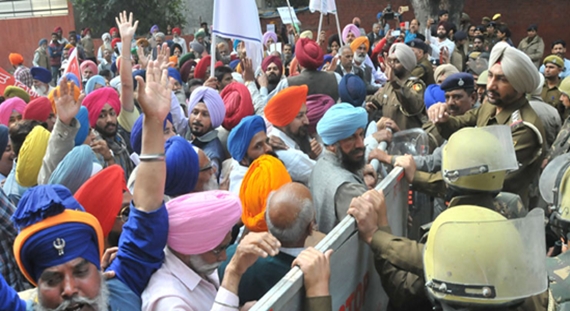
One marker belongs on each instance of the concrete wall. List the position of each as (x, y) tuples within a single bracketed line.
[(198, 11)]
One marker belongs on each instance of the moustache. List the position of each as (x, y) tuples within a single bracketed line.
[(197, 123), (356, 151)]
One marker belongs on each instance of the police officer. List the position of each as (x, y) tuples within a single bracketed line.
[(511, 76), (423, 69), (561, 144), (553, 65), (401, 99)]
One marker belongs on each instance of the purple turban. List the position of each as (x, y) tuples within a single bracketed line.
[(213, 102)]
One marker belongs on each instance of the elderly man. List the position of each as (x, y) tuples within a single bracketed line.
[(310, 57), (60, 251), (246, 142), (88, 69), (42, 78), (532, 45), (346, 65), (287, 111), (41, 58), (360, 47), (511, 76), (290, 216), (272, 68), (559, 48), (337, 176), (423, 69), (401, 99), (553, 66), (176, 38), (206, 178)]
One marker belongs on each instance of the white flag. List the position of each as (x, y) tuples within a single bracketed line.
[(239, 22), (323, 6)]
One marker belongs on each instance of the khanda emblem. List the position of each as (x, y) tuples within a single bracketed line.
[(59, 244)]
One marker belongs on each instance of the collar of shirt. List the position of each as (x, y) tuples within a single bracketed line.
[(331, 156), (507, 111), (286, 139), (344, 72), (545, 85), (295, 251), (187, 276), (208, 137)]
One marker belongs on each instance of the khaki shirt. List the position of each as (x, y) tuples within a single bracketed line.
[(424, 71), (551, 95)]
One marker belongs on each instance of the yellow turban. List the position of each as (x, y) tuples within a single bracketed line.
[(31, 157), (265, 174), (358, 42)]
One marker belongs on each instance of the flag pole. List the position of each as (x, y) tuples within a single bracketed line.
[(338, 29), (291, 16), (320, 26), (213, 45)]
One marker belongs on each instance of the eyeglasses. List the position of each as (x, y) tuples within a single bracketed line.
[(217, 251), (207, 167)]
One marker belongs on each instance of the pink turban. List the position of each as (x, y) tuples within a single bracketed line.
[(95, 101), (199, 222), (272, 60), (90, 64), (213, 102), (10, 105), (267, 35), (237, 100), (317, 105), (350, 28)]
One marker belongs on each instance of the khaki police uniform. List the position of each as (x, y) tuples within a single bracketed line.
[(424, 71), (551, 95)]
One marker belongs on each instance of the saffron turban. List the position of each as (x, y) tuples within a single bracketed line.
[(10, 105), (341, 121), (110, 185), (358, 42), (284, 107), (352, 90), (14, 91), (199, 222), (433, 94), (41, 74), (31, 156), (517, 67), (16, 59), (405, 55), (76, 93), (267, 173), (83, 119), (96, 100), (317, 105), (75, 168), (272, 60), (90, 86), (352, 29), (237, 100), (309, 54), (89, 64), (38, 109), (186, 69), (269, 35), (201, 67), (242, 134), (213, 102), (136, 132), (182, 167), (444, 70), (54, 229)]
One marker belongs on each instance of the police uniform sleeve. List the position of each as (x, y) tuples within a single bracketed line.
[(456, 123), (429, 183), (410, 96), (418, 72)]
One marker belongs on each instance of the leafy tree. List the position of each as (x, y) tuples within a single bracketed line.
[(99, 15), (425, 9)]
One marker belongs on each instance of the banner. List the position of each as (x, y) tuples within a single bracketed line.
[(7, 79), (323, 6), (73, 66), (288, 16)]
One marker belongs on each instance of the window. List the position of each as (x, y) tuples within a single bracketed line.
[(30, 8)]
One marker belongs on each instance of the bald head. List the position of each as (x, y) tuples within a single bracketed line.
[(290, 214)]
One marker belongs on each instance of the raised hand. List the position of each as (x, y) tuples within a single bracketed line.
[(143, 59), (154, 94), (126, 27), (67, 107), (162, 56), (248, 74)]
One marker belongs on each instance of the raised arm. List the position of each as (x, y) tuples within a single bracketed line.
[(127, 30)]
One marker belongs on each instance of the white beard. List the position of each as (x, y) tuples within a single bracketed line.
[(201, 267), (99, 303)]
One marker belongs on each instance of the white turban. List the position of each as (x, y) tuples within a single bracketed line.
[(517, 67), (538, 91), (405, 55)]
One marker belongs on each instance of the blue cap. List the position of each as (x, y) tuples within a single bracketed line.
[(460, 80)]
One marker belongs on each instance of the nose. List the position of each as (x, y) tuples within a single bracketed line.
[(359, 143), (222, 256), (267, 148), (305, 120), (69, 288), (109, 118)]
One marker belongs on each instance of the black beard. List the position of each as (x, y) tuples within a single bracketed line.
[(441, 35), (249, 160), (347, 163), (273, 78), (105, 133)]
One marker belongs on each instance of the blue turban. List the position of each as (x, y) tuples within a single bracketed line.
[(433, 94), (341, 121), (41, 74), (182, 166), (136, 132), (141, 73), (233, 64), (90, 86), (78, 232), (173, 73), (326, 59), (352, 90), (75, 168), (83, 118), (71, 78), (42, 41), (241, 135), (213, 101), (4, 138), (236, 43)]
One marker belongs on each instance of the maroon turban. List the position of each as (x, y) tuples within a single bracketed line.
[(309, 54), (272, 59), (186, 69), (317, 105), (237, 100), (38, 109), (96, 100)]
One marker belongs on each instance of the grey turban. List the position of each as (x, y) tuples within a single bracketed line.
[(517, 67), (405, 55)]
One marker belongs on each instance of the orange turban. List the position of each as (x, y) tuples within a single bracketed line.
[(174, 60), (76, 93), (265, 174), (102, 196), (294, 67), (358, 42), (284, 107), (16, 59)]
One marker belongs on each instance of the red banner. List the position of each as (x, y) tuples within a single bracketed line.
[(7, 79), (73, 66)]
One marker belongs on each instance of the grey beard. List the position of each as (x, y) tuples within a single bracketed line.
[(201, 267), (359, 58), (212, 184), (99, 303)]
